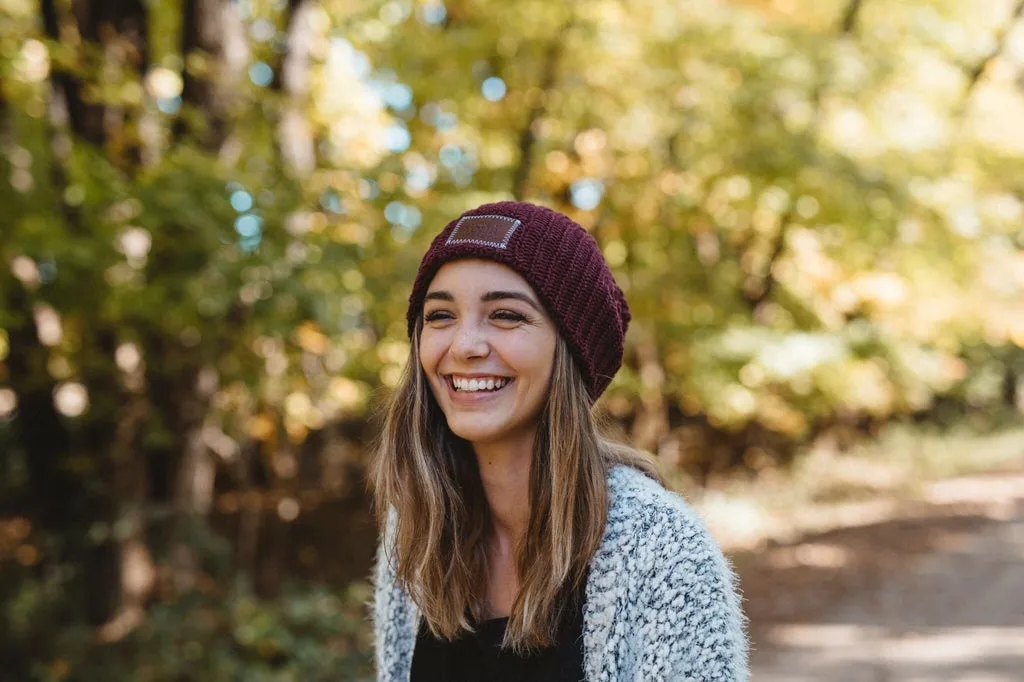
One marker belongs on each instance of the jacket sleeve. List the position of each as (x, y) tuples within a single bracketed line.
[(393, 614), (692, 627)]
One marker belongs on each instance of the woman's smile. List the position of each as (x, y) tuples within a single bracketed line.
[(472, 392)]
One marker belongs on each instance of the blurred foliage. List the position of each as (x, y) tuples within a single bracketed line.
[(212, 210), (309, 633)]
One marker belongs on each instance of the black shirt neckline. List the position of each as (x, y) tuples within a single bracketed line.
[(478, 656)]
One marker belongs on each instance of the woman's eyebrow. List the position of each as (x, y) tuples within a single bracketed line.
[(486, 298), (500, 295), (438, 296)]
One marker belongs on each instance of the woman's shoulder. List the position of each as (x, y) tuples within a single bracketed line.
[(635, 496), (654, 517)]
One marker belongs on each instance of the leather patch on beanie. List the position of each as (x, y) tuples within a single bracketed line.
[(486, 230)]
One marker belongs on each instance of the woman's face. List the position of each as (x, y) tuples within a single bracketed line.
[(487, 348)]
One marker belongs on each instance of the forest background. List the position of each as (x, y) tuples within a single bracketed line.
[(211, 212)]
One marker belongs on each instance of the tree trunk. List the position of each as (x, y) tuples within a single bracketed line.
[(651, 423), (212, 31), (78, 507), (528, 135), (295, 137)]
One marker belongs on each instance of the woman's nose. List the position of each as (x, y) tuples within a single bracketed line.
[(470, 342)]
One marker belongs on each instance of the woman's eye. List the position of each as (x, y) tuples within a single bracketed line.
[(436, 315), (509, 316)]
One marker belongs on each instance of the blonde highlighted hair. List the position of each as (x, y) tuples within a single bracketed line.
[(429, 476)]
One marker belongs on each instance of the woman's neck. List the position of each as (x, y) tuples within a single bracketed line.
[(505, 474)]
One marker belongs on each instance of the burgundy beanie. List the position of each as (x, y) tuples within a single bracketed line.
[(562, 263)]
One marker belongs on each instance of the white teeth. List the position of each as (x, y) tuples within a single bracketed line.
[(478, 384)]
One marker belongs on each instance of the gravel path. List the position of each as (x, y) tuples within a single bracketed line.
[(953, 613)]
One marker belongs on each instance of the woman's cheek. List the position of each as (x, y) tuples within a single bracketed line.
[(432, 350)]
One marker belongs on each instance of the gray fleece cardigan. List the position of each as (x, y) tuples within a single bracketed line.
[(661, 599)]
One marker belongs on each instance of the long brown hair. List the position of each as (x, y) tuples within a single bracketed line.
[(429, 476)]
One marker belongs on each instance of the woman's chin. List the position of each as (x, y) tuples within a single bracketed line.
[(474, 433), (476, 428)]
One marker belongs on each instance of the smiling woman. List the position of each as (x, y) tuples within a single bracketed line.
[(518, 543)]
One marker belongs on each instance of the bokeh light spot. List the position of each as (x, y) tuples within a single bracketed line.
[(169, 105), (446, 121), (262, 30), (249, 226), (288, 509), (71, 399), (394, 13), (261, 74), (8, 402), (397, 138), (450, 155), (586, 194), (434, 13), (394, 212), (330, 201), (398, 96), (241, 200), (493, 89)]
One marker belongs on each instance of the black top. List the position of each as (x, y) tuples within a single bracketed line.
[(478, 655)]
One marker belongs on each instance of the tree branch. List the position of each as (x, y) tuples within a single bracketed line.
[(850, 17), (846, 28), (975, 74), (756, 299)]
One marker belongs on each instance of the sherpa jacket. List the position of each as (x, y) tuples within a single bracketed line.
[(661, 600)]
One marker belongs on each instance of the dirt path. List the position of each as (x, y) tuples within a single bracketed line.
[(936, 594)]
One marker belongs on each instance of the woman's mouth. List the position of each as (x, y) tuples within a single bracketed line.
[(466, 389)]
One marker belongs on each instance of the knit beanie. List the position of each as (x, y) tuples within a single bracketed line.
[(562, 263)]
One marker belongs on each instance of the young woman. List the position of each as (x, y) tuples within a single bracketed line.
[(518, 544)]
